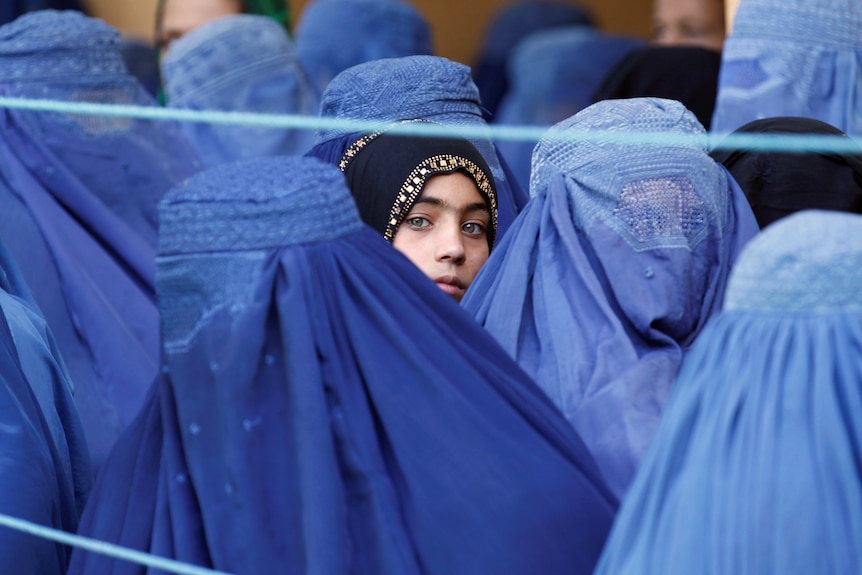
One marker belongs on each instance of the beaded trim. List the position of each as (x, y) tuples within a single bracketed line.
[(357, 146), (412, 187), (415, 182)]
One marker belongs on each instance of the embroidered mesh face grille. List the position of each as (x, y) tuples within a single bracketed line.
[(662, 212), (101, 124), (661, 208)]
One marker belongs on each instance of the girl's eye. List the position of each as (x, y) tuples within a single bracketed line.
[(473, 228), (417, 222)]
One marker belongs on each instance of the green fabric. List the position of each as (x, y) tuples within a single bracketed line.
[(278, 10)]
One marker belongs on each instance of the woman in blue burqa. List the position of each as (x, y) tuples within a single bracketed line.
[(552, 76), (78, 195), (792, 58), (413, 88), (45, 473), (755, 467), (334, 35), (324, 408), (613, 269), (239, 63)]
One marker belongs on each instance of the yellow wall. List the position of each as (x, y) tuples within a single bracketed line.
[(730, 7), (458, 25)]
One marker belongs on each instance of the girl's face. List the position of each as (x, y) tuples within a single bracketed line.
[(445, 234)]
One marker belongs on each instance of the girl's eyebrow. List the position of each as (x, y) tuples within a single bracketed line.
[(476, 206)]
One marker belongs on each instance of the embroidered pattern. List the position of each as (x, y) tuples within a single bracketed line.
[(415, 182), (412, 187), (357, 146)]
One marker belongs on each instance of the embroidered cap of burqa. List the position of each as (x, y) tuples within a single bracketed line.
[(79, 195), (755, 467), (241, 63), (327, 409), (45, 476), (415, 87), (792, 58), (613, 268)]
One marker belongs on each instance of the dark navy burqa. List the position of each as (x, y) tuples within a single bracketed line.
[(755, 468), (78, 194), (45, 473), (326, 409)]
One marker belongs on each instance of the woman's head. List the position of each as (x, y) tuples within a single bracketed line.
[(432, 198)]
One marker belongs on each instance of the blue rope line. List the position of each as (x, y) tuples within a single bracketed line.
[(796, 143), (108, 549)]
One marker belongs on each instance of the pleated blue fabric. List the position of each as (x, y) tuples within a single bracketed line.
[(612, 270), (242, 63), (334, 35), (410, 88), (326, 409), (792, 58), (755, 467), (45, 473), (79, 195)]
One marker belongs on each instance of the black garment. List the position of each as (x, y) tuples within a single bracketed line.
[(778, 184), (683, 73), (387, 173)]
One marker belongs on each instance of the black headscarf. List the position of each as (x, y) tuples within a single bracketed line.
[(779, 184), (386, 174), (683, 73)]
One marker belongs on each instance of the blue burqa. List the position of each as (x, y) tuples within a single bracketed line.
[(552, 75), (45, 473), (792, 58), (242, 63), (513, 24), (612, 270), (416, 87), (325, 408), (334, 35), (79, 194), (755, 467)]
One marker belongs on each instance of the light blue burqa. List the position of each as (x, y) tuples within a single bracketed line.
[(552, 75), (755, 468), (242, 63), (334, 35), (612, 270), (792, 58)]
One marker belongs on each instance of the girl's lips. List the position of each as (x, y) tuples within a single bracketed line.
[(451, 285), (450, 289)]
